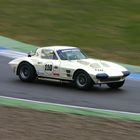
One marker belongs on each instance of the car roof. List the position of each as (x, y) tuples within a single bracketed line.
[(55, 48)]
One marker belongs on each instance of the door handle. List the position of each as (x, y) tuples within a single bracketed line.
[(39, 62)]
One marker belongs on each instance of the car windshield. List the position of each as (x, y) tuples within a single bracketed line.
[(71, 54)]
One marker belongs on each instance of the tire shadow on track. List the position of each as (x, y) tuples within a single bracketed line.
[(96, 89)]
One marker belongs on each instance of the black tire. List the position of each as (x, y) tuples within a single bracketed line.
[(116, 85), (26, 72), (82, 80)]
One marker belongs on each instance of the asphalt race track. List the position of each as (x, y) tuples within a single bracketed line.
[(125, 99)]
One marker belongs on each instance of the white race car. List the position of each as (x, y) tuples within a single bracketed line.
[(68, 64)]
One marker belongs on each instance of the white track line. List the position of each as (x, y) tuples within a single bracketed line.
[(70, 106)]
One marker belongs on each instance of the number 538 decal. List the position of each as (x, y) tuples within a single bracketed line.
[(48, 67)]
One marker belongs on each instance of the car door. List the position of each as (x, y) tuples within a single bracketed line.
[(66, 69), (48, 64)]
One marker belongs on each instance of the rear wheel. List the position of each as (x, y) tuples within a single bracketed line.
[(82, 80), (26, 72), (116, 85)]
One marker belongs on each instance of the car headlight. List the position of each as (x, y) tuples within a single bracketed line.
[(102, 76), (125, 73)]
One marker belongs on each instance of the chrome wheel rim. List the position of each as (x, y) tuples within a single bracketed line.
[(24, 72), (81, 80)]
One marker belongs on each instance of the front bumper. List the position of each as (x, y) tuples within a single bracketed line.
[(104, 78)]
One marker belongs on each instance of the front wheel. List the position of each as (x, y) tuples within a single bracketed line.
[(116, 85), (26, 72), (83, 81)]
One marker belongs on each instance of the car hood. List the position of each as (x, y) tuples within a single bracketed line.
[(96, 63), (101, 66)]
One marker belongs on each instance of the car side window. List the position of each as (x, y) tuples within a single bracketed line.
[(48, 54)]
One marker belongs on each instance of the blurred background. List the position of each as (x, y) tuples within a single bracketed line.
[(105, 29)]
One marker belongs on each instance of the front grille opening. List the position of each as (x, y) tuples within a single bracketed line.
[(111, 79)]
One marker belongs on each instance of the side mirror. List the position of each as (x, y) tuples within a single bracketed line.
[(30, 54)]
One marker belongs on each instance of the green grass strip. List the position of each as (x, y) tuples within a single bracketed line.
[(68, 109), (16, 45)]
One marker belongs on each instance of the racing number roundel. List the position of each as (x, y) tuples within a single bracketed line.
[(48, 67)]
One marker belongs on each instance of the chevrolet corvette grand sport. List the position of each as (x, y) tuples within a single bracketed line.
[(69, 64)]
